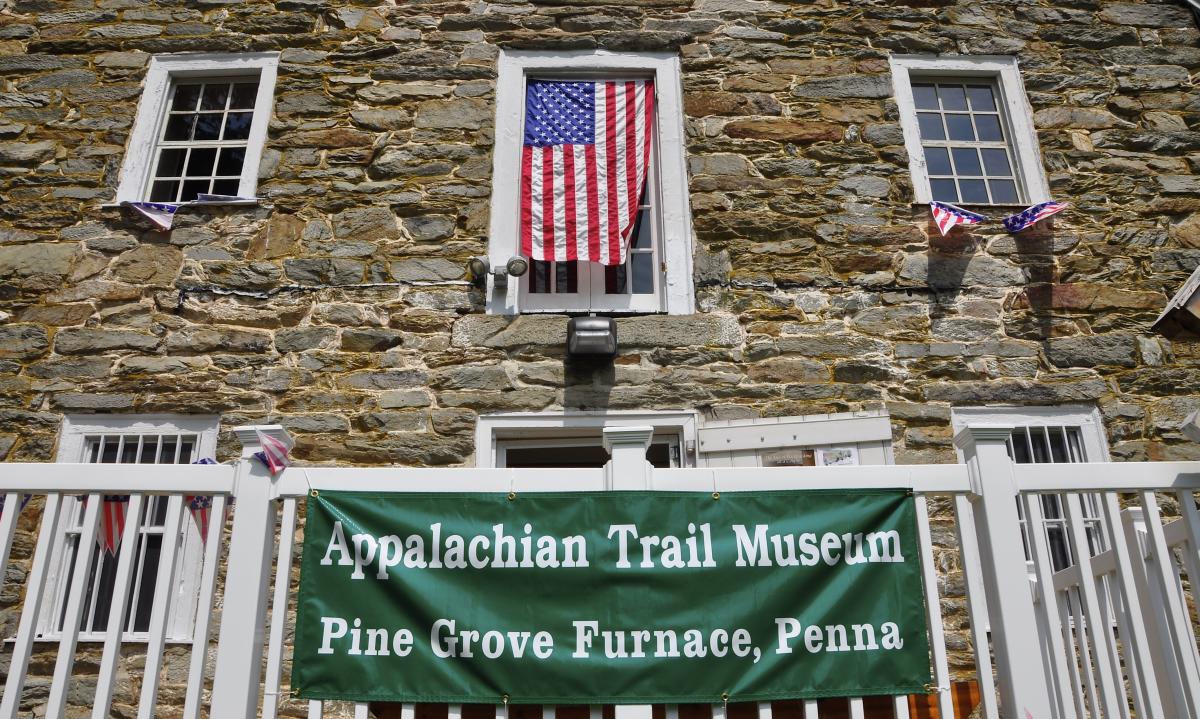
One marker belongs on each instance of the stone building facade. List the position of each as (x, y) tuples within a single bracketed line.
[(813, 280)]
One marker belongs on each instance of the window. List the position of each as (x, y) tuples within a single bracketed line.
[(200, 127), (656, 276), (127, 440), (575, 439), (968, 131), (1051, 436)]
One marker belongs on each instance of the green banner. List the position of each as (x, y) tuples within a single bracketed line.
[(610, 597)]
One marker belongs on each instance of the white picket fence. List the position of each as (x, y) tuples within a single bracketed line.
[(1109, 636)]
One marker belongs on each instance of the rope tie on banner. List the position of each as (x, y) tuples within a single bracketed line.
[(716, 494), (512, 491), (725, 702), (308, 481)]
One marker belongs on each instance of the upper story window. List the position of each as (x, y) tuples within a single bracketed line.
[(968, 130), (200, 127), (589, 184)]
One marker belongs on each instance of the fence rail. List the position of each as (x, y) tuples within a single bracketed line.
[(1109, 635)]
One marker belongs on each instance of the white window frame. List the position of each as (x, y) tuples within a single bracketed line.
[(72, 448), (1017, 115), (495, 432), (1087, 419), (674, 216), (163, 71)]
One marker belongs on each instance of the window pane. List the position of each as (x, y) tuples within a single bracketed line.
[(170, 163), (231, 161), (129, 450), (215, 97), (944, 190), (931, 126), (200, 164), (996, 161), (937, 159), (981, 98), (989, 128), (539, 277), (641, 232), (566, 277), (642, 264), (191, 188), (925, 97), (973, 191), (1004, 192), (164, 191), (225, 187), (615, 280), (957, 126), (966, 161), (145, 598), (237, 125), (186, 97), (953, 97), (244, 94), (208, 127), (179, 128)]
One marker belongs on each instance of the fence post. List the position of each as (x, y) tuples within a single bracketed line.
[(1024, 691), (627, 468), (247, 582)]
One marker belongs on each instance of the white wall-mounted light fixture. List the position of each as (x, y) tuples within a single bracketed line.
[(480, 267), (1181, 318)]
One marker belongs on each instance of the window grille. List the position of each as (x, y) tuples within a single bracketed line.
[(1056, 445), (202, 147)]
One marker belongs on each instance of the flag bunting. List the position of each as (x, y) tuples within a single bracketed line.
[(160, 214), (1031, 215), (24, 501), (584, 161), (112, 522), (947, 216), (274, 453), (200, 506)]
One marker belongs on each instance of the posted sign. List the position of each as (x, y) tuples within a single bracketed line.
[(610, 597)]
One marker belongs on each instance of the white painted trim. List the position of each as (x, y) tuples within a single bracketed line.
[(1018, 115), (163, 69), (491, 429), (815, 431), (1091, 425), (71, 450), (675, 211)]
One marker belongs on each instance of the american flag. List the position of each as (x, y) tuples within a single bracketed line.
[(160, 214), (1030, 215), (274, 453), (201, 508), (946, 216), (112, 521), (583, 166)]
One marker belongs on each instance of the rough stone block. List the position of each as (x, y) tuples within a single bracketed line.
[(1092, 350), (218, 339), (85, 340)]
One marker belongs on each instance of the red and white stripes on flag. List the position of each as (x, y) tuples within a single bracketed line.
[(274, 452), (584, 164), (112, 522)]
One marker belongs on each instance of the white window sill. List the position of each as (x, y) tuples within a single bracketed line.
[(253, 202), (99, 639)]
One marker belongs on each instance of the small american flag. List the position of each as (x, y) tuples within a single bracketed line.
[(274, 453), (583, 167), (112, 521), (157, 212), (946, 216), (201, 508), (1029, 216)]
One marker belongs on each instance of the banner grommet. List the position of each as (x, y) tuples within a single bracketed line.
[(512, 496), (716, 495)]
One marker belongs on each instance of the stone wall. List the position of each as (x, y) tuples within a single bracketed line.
[(821, 287)]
